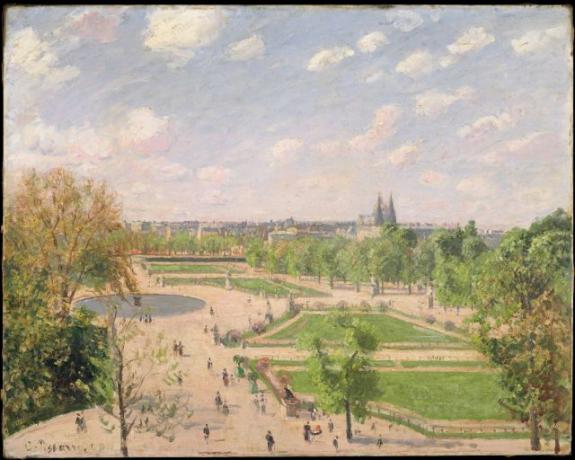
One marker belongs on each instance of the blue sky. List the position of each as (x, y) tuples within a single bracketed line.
[(271, 112)]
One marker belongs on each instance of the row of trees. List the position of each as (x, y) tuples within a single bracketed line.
[(395, 256), (182, 243)]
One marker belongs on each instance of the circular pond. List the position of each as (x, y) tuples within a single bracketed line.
[(155, 304)]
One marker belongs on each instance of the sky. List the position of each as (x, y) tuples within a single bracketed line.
[(258, 113)]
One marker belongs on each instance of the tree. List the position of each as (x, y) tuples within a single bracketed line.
[(344, 378), (425, 260), (255, 252), (524, 323), (129, 372), (68, 230)]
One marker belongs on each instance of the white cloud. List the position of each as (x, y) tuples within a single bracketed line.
[(285, 150), (382, 126), (373, 76), (329, 57), (520, 143), (177, 31), (404, 20), (405, 155), (432, 178), (523, 146), (371, 42), (215, 174), (214, 198), (432, 103), (472, 40), (248, 48), (485, 125), (536, 40), (416, 64), (476, 187), (36, 57), (144, 131), (332, 148)]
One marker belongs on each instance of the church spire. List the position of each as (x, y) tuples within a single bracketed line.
[(392, 216), (378, 211)]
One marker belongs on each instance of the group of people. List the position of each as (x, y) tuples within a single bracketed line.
[(260, 403), (221, 404), (146, 317), (178, 348)]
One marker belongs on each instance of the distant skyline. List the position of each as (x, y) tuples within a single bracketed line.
[(257, 113)]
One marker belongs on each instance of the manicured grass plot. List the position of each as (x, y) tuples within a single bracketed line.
[(272, 288), (477, 364), (434, 395), (190, 268), (388, 329)]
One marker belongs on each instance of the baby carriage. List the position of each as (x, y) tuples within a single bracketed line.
[(315, 431)]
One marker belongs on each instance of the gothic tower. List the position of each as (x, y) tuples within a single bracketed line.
[(378, 212), (392, 217)]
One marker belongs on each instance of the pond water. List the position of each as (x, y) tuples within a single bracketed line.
[(155, 304)]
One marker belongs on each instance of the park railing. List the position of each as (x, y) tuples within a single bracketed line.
[(445, 428)]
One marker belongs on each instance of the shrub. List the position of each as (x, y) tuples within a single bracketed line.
[(263, 364), (341, 304), (365, 306), (430, 319), (449, 325)]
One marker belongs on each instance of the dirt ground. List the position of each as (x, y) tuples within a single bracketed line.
[(242, 432)]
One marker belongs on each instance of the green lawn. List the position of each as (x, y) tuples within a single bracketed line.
[(434, 395), (275, 288), (190, 268), (389, 329), (481, 364)]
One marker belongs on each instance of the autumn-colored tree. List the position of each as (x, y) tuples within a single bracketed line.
[(69, 230)]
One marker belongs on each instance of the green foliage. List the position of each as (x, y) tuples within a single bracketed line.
[(344, 380), (524, 320), (50, 365)]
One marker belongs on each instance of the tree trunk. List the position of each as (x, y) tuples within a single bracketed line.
[(409, 289), (348, 431), (556, 436), (534, 429), (380, 289), (331, 282), (357, 287)]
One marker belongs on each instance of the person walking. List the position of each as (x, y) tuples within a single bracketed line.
[(379, 442), (175, 348), (210, 364), (270, 441), (206, 329), (206, 432), (257, 403), (262, 404), (180, 349), (225, 377), (218, 401), (212, 313), (78, 423), (335, 443), (225, 409), (330, 425), (306, 432)]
